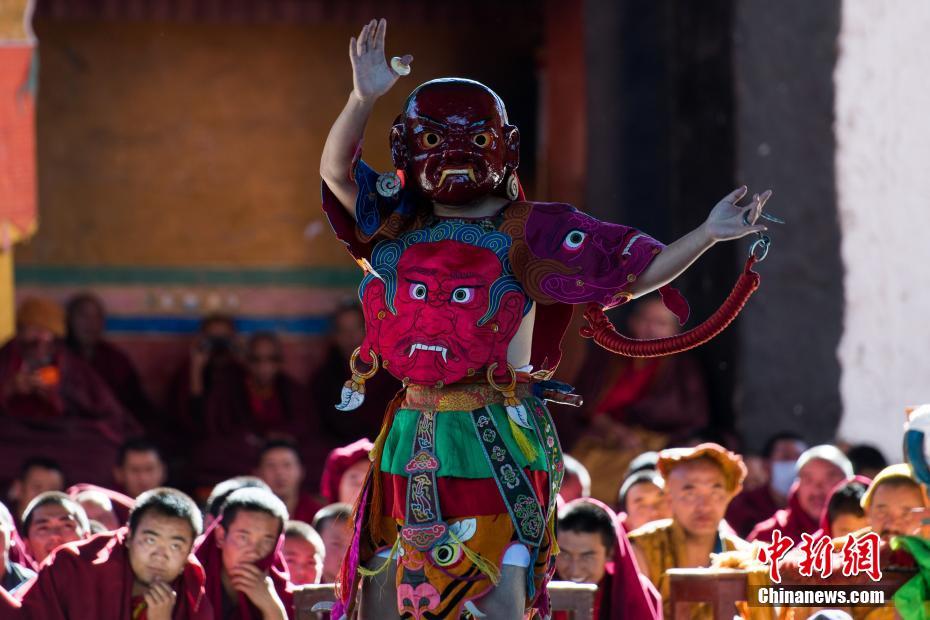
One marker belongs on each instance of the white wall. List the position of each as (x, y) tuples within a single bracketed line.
[(883, 187)]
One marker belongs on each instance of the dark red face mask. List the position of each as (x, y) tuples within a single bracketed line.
[(454, 142)]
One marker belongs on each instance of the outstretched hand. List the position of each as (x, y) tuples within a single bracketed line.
[(728, 220), (372, 76)]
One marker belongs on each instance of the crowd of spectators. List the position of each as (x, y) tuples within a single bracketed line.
[(263, 474)]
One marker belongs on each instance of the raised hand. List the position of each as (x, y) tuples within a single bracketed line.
[(372, 76), (259, 589), (159, 601), (728, 220)]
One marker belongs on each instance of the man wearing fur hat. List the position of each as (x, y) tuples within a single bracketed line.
[(699, 483)]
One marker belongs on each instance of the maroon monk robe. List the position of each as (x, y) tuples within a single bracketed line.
[(791, 521), (231, 417), (342, 428), (664, 395), (119, 372), (9, 606), (306, 509), (93, 579), (211, 557), (81, 424), (749, 508)]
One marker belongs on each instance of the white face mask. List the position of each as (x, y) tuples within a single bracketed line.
[(783, 475)]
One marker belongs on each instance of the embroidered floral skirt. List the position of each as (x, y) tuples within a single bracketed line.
[(452, 489)]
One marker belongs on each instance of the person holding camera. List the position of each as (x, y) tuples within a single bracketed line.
[(231, 400)]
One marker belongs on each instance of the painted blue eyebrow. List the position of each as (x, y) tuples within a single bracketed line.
[(480, 123)]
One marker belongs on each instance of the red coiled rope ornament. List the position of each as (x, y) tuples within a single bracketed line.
[(604, 333)]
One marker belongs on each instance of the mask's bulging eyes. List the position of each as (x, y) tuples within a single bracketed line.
[(463, 294), (418, 290), (429, 139), (574, 239), (482, 139)]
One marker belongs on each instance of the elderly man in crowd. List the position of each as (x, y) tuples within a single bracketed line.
[(699, 484), (819, 470)]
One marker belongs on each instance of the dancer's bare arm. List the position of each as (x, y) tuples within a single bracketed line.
[(728, 220), (372, 77)]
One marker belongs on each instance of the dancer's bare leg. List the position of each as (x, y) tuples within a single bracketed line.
[(379, 593), (508, 599)]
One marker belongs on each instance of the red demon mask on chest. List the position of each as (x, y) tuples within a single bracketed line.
[(441, 310), (454, 142)]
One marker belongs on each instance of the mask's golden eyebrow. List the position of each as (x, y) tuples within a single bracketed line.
[(432, 121)]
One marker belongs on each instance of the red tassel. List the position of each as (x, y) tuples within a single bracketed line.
[(605, 334)]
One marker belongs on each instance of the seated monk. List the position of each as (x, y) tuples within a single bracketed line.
[(280, 466), (594, 549), (345, 471), (780, 455), (304, 551), (12, 574), (576, 483), (233, 407), (632, 405), (238, 553), (85, 322), (139, 467), (50, 397), (819, 470), (52, 519), (144, 571), (699, 484), (36, 475), (334, 524), (642, 499), (348, 330)]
